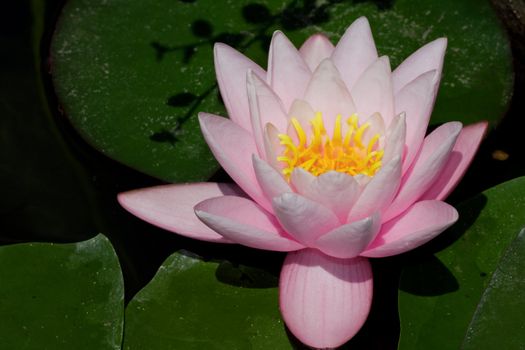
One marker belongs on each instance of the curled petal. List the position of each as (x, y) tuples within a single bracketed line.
[(271, 181), (288, 74), (315, 49), (272, 146), (231, 67), (303, 218), (171, 207), (462, 154), (350, 240), (355, 51), (335, 190), (373, 91), (265, 107), (395, 138), (416, 226), (324, 300), (233, 148), (379, 192), (427, 58), (416, 101), (377, 126), (241, 220), (426, 168)]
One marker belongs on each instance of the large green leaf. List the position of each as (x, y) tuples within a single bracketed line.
[(470, 295), (132, 75), (192, 304), (61, 296)]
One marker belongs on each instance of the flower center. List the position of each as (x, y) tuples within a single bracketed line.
[(321, 154)]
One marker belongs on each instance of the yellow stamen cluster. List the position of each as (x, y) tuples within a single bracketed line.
[(321, 154)]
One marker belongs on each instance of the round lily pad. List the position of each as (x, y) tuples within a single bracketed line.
[(132, 75), (192, 304), (61, 296), (471, 294)]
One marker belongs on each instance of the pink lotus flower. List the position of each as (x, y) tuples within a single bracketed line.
[(331, 163)]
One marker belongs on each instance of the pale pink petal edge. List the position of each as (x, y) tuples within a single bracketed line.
[(460, 159), (171, 207)]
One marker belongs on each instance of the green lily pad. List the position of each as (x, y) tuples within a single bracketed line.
[(192, 304), (471, 294), (61, 296), (132, 75)]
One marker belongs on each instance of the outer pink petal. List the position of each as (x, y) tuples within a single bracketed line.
[(350, 240), (315, 49), (265, 107), (303, 218), (324, 301), (271, 181), (379, 192), (243, 221), (426, 168), (373, 91), (416, 100), (416, 226), (233, 148), (171, 207), (327, 93), (288, 74), (427, 58), (334, 190), (231, 67), (462, 154), (355, 51)]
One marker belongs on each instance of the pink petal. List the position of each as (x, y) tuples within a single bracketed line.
[(355, 51), (272, 146), (327, 93), (373, 91), (288, 74), (231, 67), (416, 226), (377, 126), (303, 112), (427, 58), (271, 181), (416, 100), (395, 138), (324, 301), (350, 240), (171, 207), (243, 221), (265, 107), (379, 192), (462, 154), (233, 148), (336, 191), (315, 49), (426, 168), (303, 218)]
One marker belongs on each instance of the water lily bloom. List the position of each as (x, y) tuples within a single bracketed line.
[(328, 151)]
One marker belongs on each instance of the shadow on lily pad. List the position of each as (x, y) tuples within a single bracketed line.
[(433, 278)]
